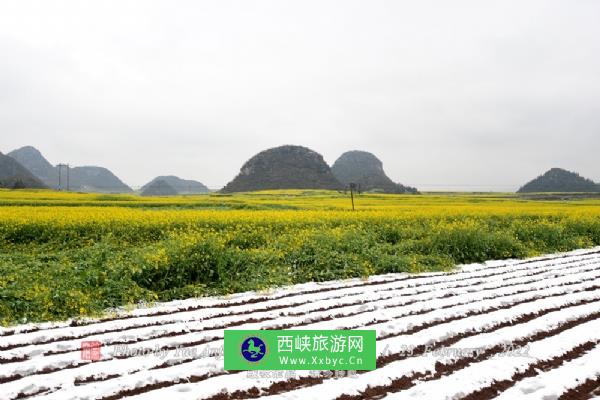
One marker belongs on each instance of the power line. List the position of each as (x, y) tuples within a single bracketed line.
[(461, 184)]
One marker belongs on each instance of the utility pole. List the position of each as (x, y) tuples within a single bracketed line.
[(60, 167), (352, 187)]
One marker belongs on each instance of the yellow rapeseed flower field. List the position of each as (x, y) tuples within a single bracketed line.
[(71, 254)]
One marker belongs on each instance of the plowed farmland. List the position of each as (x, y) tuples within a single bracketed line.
[(506, 329)]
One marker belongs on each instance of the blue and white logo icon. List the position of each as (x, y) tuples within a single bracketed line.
[(253, 349)]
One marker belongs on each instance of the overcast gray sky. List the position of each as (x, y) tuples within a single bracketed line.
[(455, 94)]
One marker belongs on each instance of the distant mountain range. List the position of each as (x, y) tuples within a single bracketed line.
[(366, 170), (81, 179), (297, 167), (181, 186), (36, 171), (284, 167), (560, 180), (158, 187), (15, 176)]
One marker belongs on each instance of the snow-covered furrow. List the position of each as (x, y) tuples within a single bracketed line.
[(364, 303), (422, 366), (402, 318), (437, 333), (555, 382), (409, 368), (386, 324), (410, 287), (418, 363), (475, 306), (311, 290), (504, 365), (130, 365)]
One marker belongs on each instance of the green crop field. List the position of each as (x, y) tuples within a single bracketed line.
[(69, 255)]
